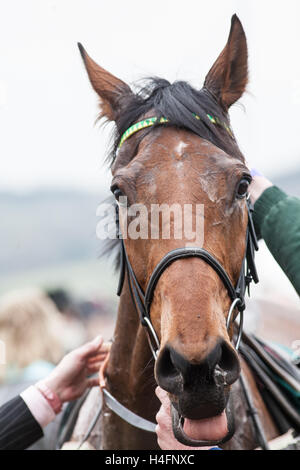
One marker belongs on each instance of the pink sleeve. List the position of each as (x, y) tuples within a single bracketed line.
[(38, 406)]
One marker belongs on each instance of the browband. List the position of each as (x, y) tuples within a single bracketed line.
[(154, 120)]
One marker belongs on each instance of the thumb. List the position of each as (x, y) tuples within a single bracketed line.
[(91, 348), (162, 395)]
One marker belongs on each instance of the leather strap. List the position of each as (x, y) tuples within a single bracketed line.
[(127, 415), (293, 382), (252, 411), (181, 253)]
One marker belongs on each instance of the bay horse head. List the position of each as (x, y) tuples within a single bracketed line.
[(184, 154)]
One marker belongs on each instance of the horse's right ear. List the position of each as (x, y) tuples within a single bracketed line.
[(110, 89), (228, 77)]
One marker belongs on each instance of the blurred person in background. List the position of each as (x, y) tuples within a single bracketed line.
[(32, 329), (84, 317)]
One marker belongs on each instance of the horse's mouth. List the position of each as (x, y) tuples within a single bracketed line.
[(214, 431)]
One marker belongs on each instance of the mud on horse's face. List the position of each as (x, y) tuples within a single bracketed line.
[(197, 363)]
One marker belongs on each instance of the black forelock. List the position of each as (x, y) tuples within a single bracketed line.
[(179, 102)]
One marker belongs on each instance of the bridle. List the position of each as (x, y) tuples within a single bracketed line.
[(143, 300)]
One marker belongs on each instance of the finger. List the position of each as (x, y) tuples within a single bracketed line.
[(96, 362), (102, 352), (93, 369), (90, 349), (92, 382), (98, 358), (164, 420), (99, 361), (160, 434), (106, 346), (162, 395), (160, 418), (165, 440), (99, 353)]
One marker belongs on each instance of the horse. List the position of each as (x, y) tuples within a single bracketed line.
[(174, 145)]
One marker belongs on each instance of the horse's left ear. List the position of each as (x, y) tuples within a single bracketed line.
[(228, 77), (111, 90)]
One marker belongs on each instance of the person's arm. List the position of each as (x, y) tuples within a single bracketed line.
[(18, 427), (277, 220), (23, 418)]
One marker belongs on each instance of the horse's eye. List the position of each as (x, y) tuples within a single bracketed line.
[(117, 193), (242, 189), (120, 196)]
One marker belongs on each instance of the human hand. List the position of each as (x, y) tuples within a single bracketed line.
[(69, 380), (164, 431), (258, 185)]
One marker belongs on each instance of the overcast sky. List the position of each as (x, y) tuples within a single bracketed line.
[(48, 109)]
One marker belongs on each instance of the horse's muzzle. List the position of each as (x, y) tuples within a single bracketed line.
[(198, 390)]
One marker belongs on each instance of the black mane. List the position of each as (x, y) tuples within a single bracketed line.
[(179, 103)]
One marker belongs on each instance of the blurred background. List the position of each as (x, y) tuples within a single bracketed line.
[(53, 175)]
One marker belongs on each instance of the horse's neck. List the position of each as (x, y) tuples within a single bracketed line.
[(130, 378)]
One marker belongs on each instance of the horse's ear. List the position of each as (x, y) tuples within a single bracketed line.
[(228, 77), (110, 89)]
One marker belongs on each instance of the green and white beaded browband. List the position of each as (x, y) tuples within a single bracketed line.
[(151, 121)]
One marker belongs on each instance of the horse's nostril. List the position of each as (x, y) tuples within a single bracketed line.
[(229, 363), (168, 376)]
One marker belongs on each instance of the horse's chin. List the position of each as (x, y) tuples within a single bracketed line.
[(212, 431)]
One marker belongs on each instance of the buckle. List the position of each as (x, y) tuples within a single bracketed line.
[(240, 305)]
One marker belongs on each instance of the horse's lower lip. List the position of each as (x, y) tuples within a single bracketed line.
[(203, 432), (210, 429)]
